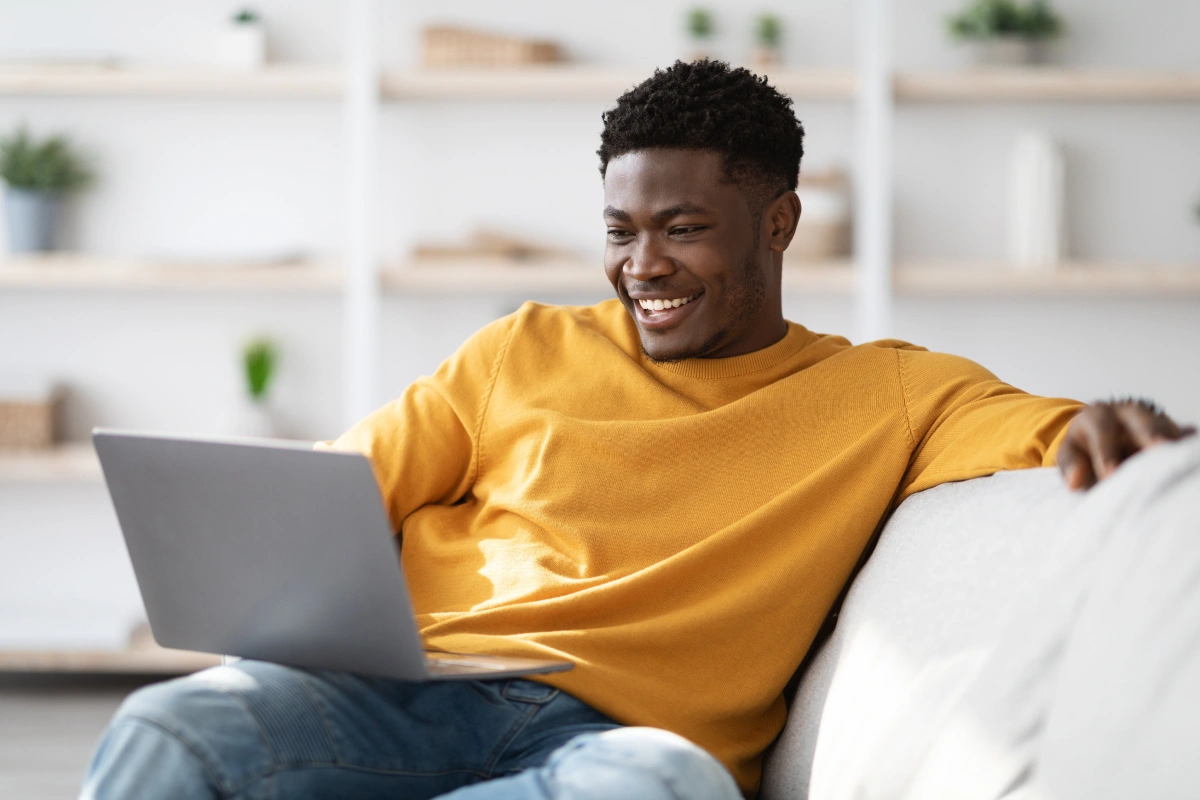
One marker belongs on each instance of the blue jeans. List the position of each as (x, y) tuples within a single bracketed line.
[(253, 730)]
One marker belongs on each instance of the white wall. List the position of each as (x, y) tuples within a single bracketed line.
[(228, 178)]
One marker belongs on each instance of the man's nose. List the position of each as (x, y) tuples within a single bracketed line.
[(648, 261)]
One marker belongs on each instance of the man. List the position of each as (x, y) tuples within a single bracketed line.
[(669, 489)]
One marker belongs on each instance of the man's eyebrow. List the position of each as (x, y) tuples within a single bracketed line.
[(659, 216), (678, 210)]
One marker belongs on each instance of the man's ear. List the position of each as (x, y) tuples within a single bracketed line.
[(781, 219)]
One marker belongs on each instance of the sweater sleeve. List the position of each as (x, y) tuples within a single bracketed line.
[(966, 423), (424, 445)]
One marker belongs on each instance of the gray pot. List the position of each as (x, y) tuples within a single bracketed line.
[(32, 219), (1010, 51)]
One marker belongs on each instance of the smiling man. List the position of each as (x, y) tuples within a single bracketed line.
[(668, 489)]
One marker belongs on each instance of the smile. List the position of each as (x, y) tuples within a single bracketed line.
[(665, 304)]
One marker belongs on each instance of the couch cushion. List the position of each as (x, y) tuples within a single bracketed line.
[(917, 626)]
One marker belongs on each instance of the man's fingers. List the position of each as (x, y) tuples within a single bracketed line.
[(1075, 466), (1143, 427), (1103, 439)]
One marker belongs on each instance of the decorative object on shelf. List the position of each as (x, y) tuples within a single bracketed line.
[(1035, 204), (489, 245), (768, 34), (823, 232), (260, 360), (37, 177), (29, 411), (1007, 32), (700, 29), (243, 42), (445, 46)]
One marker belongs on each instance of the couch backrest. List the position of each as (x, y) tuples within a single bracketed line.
[(916, 627)]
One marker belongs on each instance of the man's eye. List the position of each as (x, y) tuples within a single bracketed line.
[(684, 230), (618, 234)]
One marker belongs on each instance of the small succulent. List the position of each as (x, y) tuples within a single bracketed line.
[(990, 19), (50, 165), (769, 31), (246, 16), (259, 359), (700, 23)]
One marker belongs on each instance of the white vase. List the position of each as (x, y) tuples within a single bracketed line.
[(255, 419), (242, 46), (1036, 226)]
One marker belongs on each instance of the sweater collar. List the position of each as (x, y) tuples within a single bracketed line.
[(707, 368)]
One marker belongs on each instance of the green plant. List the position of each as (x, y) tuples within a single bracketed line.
[(989, 19), (50, 165), (700, 23), (247, 16), (769, 30), (259, 359)]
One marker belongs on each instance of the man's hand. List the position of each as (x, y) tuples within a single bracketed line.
[(1104, 434)]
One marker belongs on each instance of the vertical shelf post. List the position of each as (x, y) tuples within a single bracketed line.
[(873, 178), (361, 297)]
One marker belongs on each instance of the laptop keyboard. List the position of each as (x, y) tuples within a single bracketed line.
[(458, 666)]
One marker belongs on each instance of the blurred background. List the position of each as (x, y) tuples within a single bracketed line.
[(268, 219)]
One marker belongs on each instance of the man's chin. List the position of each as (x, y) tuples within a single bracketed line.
[(666, 349)]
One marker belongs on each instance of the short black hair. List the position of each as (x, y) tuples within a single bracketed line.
[(708, 105)]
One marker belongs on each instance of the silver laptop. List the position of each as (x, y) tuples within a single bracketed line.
[(270, 550)]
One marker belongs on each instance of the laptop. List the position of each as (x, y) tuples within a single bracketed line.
[(271, 550)]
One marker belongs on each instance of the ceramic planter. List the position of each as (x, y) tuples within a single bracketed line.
[(242, 46), (32, 218), (1009, 51)]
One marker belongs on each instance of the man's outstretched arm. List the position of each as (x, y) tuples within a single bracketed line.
[(1104, 434)]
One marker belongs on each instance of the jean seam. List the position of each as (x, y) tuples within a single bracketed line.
[(316, 701), (510, 736), (222, 787)]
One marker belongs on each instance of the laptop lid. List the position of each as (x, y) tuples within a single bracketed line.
[(309, 572)]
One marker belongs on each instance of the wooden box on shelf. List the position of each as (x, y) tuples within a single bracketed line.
[(458, 47), (29, 417)]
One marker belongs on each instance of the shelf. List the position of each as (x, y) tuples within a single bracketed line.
[(474, 276), (74, 462), (147, 661), (76, 271), (1069, 280), (557, 83), (1044, 83), (282, 82), (576, 83)]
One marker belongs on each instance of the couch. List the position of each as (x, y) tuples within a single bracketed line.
[(1010, 638)]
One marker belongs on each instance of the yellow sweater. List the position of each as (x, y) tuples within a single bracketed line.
[(678, 531)]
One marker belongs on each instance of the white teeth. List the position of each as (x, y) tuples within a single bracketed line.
[(660, 305)]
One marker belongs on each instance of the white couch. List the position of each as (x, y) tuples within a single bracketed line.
[(1009, 638)]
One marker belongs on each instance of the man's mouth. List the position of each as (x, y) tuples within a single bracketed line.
[(664, 312), (652, 307)]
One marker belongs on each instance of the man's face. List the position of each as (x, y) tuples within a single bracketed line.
[(683, 254)]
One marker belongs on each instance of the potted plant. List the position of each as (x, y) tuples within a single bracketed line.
[(243, 43), (700, 28), (260, 359), (1007, 32), (37, 176), (768, 32)]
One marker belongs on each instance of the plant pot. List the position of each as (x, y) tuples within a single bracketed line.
[(255, 419), (763, 57), (1009, 51), (242, 46), (32, 218)]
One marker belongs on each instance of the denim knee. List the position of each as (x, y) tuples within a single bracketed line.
[(204, 716), (646, 763)]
